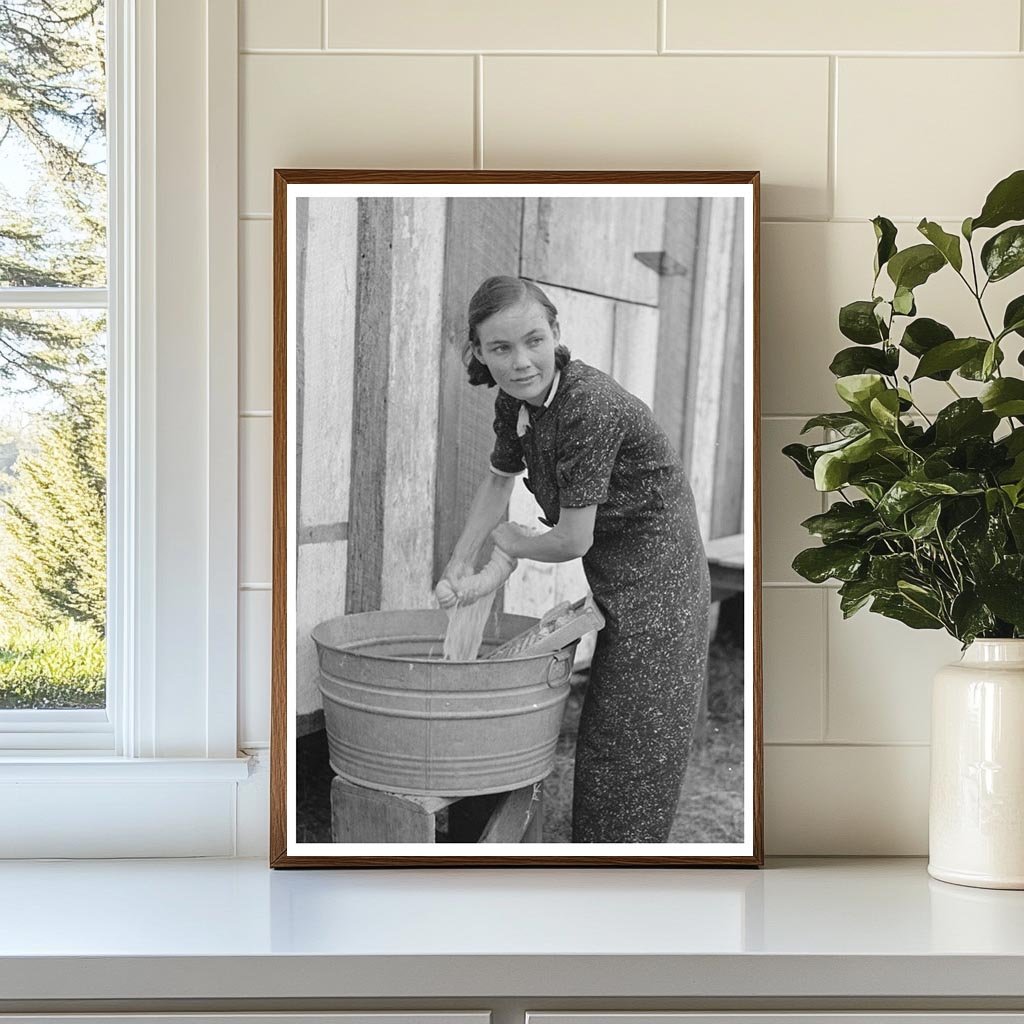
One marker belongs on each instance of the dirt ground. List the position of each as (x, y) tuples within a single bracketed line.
[(710, 801)]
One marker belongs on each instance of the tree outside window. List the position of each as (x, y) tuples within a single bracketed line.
[(53, 387)]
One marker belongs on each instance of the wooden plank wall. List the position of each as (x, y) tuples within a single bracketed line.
[(418, 247), (727, 506), (325, 320), (397, 358), (482, 239), (674, 383), (713, 337)]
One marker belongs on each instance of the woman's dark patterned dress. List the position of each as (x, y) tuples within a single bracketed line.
[(597, 444)]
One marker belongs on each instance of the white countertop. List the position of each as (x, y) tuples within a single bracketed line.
[(234, 928)]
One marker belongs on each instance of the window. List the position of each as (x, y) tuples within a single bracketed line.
[(155, 771), (53, 370)]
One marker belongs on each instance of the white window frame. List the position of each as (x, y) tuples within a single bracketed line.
[(168, 741)]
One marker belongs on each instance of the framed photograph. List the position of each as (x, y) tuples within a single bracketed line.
[(516, 560)]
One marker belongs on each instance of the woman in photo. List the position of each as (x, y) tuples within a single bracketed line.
[(614, 493)]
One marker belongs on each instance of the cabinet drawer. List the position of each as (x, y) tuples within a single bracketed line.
[(358, 1017), (788, 1017)]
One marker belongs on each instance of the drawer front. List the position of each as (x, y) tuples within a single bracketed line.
[(790, 1017), (360, 1017)]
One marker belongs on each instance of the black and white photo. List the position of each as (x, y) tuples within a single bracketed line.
[(516, 568)]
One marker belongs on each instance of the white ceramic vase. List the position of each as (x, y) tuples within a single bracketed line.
[(976, 811)]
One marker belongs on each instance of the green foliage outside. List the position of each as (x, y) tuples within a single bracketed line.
[(52, 365), (927, 526), (60, 667)]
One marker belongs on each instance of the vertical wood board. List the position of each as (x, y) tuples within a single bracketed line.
[(370, 411), (675, 304), (635, 349), (412, 402), (727, 513), (481, 239), (713, 328), (586, 323), (587, 243), (320, 595), (326, 314)]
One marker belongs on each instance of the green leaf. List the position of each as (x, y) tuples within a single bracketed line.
[(897, 607), (912, 267), (850, 361), (799, 455), (974, 368), (970, 617), (966, 417), (1004, 397), (965, 228), (950, 355), (833, 561), (841, 421), (1013, 317), (858, 389), (1003, 254), (990, 361), (947, 244), (903, 302), (842, 522), (923, 335), (885, 409), (885, 235), (906, 494), (1006, 599), (925, 518), (1005, 202), (887, 570), (854, 595), (857, 321), (831, 471)]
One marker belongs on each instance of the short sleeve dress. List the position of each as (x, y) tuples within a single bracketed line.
[(597, 444)]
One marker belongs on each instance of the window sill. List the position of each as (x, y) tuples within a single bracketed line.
[(77, 766)]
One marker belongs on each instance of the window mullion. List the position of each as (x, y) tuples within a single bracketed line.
[(53, 298)]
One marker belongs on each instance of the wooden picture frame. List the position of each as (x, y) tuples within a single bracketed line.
[(379, 444)]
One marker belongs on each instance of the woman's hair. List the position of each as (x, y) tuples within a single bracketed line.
[(494, 295)]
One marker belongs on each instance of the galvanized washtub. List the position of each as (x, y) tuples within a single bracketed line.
[(401, 719)]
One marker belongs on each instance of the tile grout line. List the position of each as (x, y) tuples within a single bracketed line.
[(851, 744), (824, 713), (323, 24), (1020, 25), (663, 26), (833, 134), (478, 111), (339, 51)]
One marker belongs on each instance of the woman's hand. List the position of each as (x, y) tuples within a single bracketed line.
[(447, 589)]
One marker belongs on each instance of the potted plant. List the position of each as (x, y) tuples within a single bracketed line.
[(927, 521)]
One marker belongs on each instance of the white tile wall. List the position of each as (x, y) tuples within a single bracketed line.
[(878, 25), (471, 25), (260, 25), (255, 442), (255, 312), (910, 111), (698, 113), (971, 110)]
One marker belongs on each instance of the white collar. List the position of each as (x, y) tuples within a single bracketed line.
[(523, 423)]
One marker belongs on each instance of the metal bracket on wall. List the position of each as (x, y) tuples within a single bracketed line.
[(661, 263)]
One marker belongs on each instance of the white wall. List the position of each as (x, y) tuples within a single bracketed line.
[(907, 110)]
